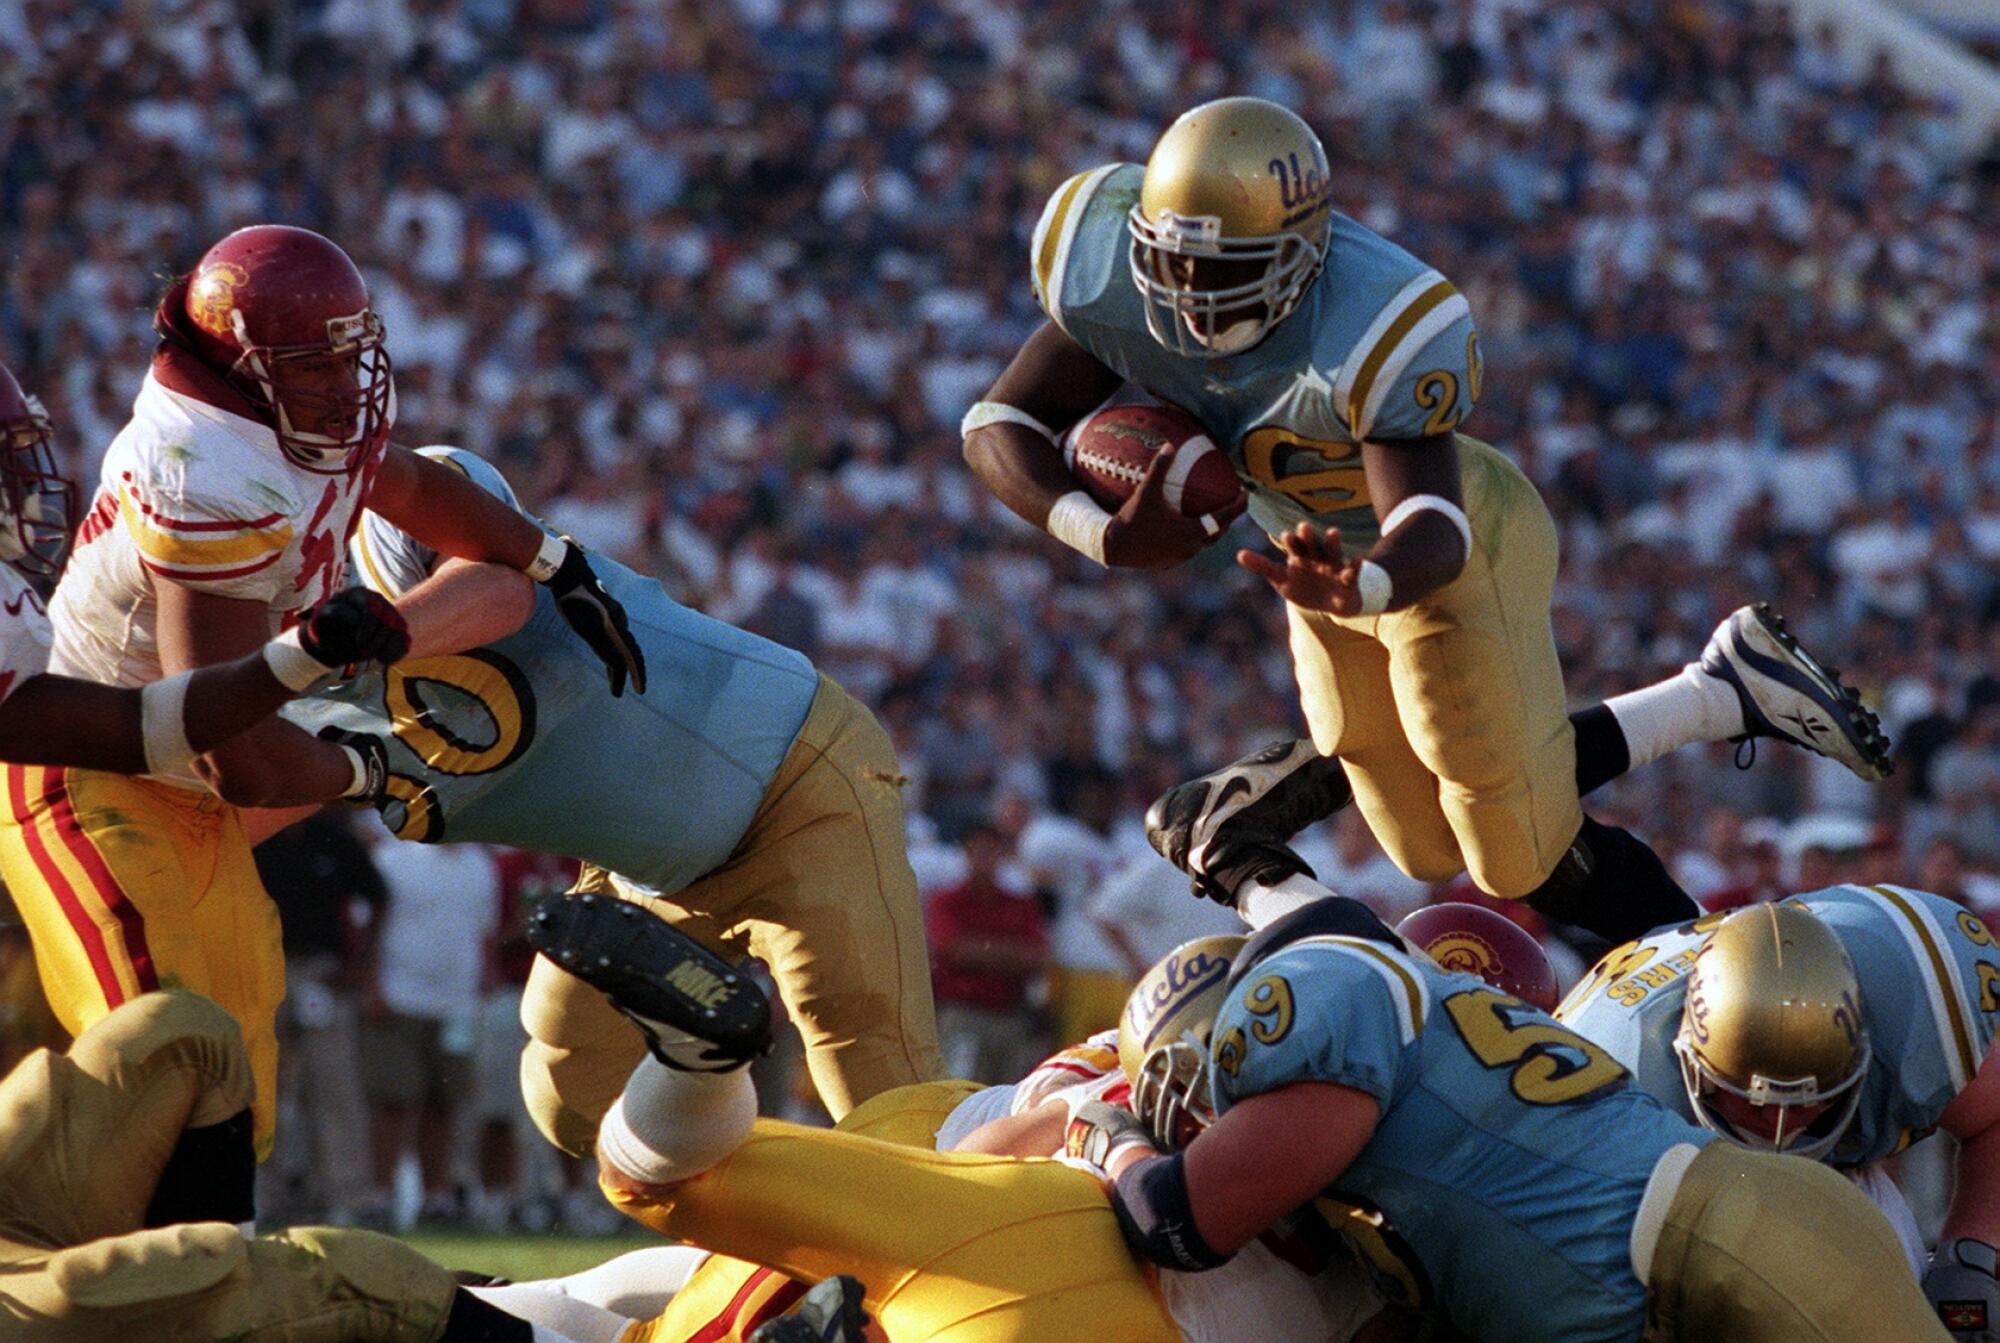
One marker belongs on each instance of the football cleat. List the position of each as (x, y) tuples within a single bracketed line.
[(1232, 825), (1790, 696), (829, 1313), (697, 1011)]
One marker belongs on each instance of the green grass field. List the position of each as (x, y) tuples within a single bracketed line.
[(519, 1255)]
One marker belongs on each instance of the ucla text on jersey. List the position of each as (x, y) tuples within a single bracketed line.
[(1930, 1000), (1380, 347), (518, 742), (1503, 1177)]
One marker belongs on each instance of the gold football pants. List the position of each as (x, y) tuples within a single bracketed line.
[(83, 1139), (953, 1247), (1449, 715), (126, 886), (1760, 1248), (821, 890)]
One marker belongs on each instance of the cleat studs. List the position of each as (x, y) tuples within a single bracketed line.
[(589, 899), (604, 962), (708, 1012), (729, 979)]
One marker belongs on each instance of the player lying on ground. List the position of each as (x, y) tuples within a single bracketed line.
[(1841, 1025), (748, 798), (126, 1173), (981, 1248), (1334, 369), (220, 515), (58, 720)]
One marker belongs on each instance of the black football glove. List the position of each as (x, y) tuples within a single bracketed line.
[(355, 625), (1961, 1283), (373, 789), (598, 619)]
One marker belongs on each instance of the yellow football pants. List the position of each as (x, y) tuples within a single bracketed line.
[(83, 1139), (951, 1246), (821, 890), (725, 1299), (127, 885), (1758, 1248), (1449, 715)]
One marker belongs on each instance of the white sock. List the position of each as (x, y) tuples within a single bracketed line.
[(1261, 905), (636, 1285), (555, 1318), (670, 1125), (1692, 707)]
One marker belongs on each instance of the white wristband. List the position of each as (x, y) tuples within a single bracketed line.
[(1430, 503), (984, 413), (1078, 522), (1376, 589), (548, 559), (296, 669), (163, 725)]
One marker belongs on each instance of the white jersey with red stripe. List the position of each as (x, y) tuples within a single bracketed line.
[(200, 496), (24, 632)]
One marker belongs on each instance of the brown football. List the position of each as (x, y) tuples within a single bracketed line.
[(1109, 453)]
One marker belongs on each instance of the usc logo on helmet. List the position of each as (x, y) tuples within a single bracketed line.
[(1467, 952), (212, 297)]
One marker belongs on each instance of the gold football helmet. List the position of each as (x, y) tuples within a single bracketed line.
[(1773, 1016), (1231, 225), (1163, 1037)]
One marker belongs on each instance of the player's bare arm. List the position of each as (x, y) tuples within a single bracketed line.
[(58, 720), (465, 604), (447, 512), (1973, 1117), (1051, 384), (1413, 482), (1234, 1187), (273, 764)]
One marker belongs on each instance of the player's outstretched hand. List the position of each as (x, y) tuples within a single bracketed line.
[(1310, 574), (353, 626), (598, 619), (1147, 532)]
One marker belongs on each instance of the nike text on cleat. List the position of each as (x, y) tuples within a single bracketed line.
[(696, 1010), (1790, 696), (829, 1313), (1233, 824)]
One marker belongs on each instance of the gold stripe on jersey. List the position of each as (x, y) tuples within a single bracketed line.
[(1057, 231), (210, 546), (1355, 385), (366, 553), (1415, 996), (1961, 1054)]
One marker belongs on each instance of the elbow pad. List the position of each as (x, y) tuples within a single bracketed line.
[(1151, 1201)]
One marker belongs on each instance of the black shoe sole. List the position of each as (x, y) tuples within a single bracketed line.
[(653, 972)]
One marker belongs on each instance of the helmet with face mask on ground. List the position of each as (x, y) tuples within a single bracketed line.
[(1773, 1017), (1163, 1037)]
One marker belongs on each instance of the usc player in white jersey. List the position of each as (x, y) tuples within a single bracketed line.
[(221, 514)]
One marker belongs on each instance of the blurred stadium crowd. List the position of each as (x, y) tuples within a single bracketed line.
[(714, 282)]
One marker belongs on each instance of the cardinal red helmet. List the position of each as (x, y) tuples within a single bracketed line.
[(284, 315), (1476, 940), (37, 502)]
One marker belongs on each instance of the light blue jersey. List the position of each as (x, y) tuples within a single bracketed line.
[(521, 743), (1930, 1002), (1502, 1181), (1380, 347)]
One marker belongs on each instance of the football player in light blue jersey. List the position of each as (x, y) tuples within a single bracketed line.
[(746, 798), (1841, 1025), (1334, 369), (1497, 1169)]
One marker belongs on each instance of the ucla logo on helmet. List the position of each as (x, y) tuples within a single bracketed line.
[(1181, 979), (212, 296), (1303, 192)]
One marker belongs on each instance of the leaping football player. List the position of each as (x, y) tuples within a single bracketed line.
[(1334, 369), (221, 515), (1841, 1026)]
